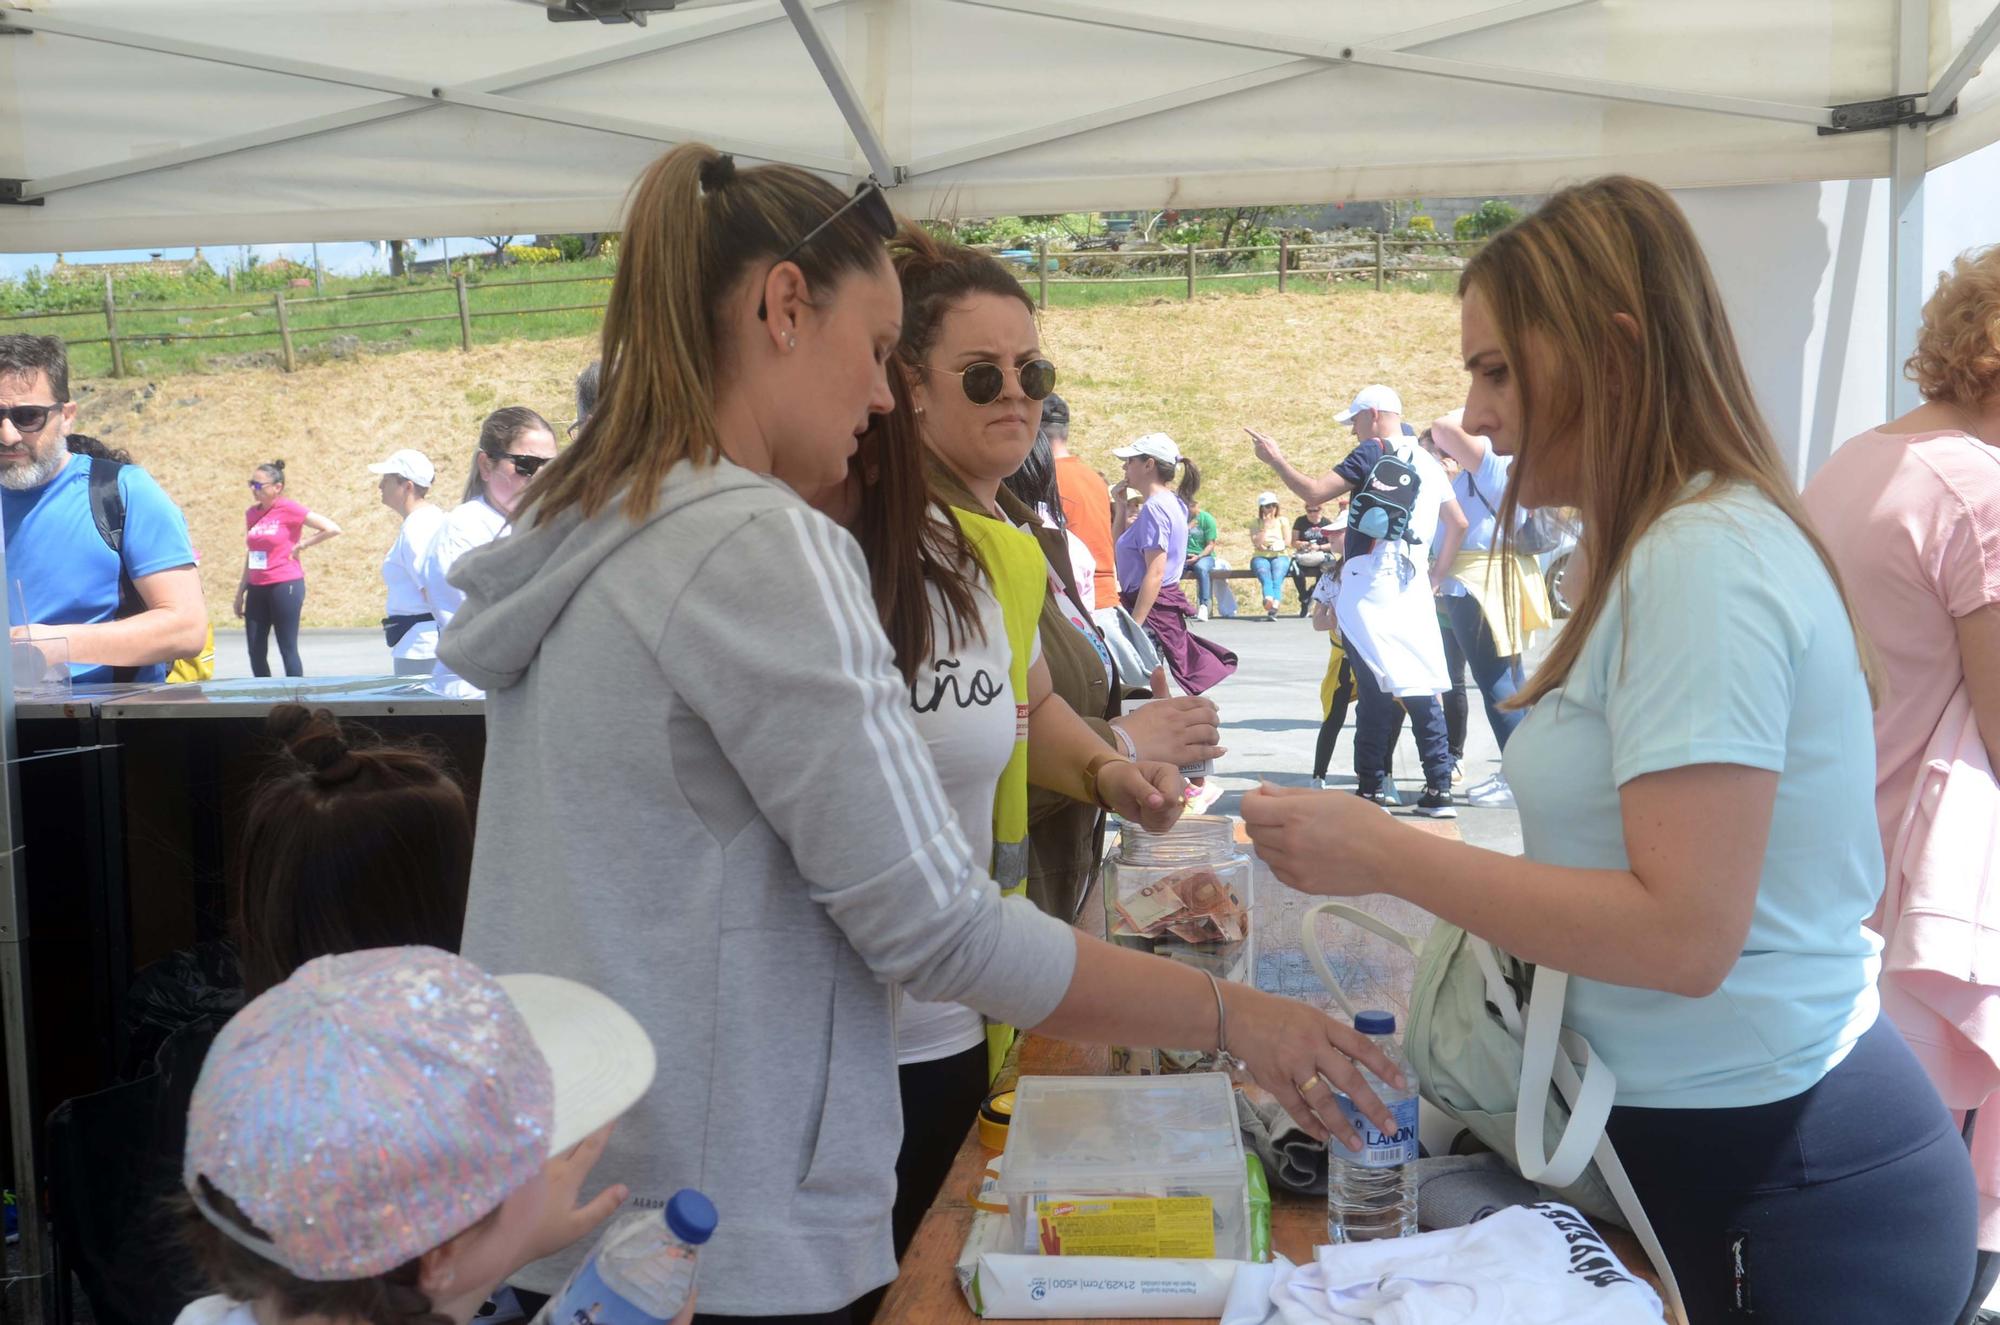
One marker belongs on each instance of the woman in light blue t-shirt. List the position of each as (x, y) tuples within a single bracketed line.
[(1695, 778)]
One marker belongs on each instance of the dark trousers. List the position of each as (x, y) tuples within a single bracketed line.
[(1378, 719), (1300, 575), (1851, 1201), (1457, 709), (269, 607), (1471, 641), (1336, 717)]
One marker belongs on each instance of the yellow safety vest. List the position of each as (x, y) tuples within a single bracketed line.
[(1018, 576)]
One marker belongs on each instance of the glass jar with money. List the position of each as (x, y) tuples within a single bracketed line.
[(1183, 894)]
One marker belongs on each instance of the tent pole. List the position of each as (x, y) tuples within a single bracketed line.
[(841, 87), (1907, 149)]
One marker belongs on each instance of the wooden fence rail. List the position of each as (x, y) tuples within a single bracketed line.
[(280, 315)]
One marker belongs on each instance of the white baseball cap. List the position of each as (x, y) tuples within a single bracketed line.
[(1377, 397), (1155, 444), (412, 465), (1267, 499)]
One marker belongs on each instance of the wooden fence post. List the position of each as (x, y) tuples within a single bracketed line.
[(464, 314), (111, 330), (285, 332), (1378, 259), (1190, 271), (1284, 260), (1042, 273)]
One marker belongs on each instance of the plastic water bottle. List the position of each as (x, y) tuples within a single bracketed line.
[(1372, 1193), (642, 1271)]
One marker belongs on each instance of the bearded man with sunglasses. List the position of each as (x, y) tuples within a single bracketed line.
[(112, 577)]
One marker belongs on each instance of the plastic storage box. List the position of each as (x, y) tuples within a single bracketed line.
[(1127, 1166)]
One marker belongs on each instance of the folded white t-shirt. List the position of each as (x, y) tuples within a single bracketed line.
[(1539, 1264)]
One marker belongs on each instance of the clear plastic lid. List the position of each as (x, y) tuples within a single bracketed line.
[(1108, 1132)]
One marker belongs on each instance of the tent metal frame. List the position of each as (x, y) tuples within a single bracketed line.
[(491, 94)]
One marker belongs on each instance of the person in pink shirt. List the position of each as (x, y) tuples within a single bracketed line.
[(272, 592), (1911, 511)]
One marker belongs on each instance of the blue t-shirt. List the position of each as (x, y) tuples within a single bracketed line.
[(1479, 493), (1736, 650), (61, 564)]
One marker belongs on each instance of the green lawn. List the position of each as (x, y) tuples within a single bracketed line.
[(525, 303)]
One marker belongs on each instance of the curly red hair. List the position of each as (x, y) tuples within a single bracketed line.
[(1958, 350)]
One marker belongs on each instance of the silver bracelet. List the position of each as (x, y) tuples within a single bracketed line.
[(1222, 1028), (1125, 742)]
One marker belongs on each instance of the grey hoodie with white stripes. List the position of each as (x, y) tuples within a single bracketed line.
[(703, 795)]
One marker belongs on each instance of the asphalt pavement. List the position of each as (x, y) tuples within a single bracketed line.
[(1270, 712)]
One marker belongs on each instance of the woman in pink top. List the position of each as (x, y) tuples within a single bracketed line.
[(1911, 511), (272, 591)]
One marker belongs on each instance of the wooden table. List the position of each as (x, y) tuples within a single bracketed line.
[(926, 1290)]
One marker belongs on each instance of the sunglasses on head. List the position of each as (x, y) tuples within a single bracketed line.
[(524, 465), (983, 382), (28, 418), (874, 205)]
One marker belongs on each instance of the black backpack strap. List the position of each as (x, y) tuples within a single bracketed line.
[(107, 510)]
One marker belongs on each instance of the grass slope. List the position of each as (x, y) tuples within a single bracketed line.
[(1199, 370)]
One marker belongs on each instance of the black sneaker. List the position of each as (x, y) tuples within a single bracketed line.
[(1435, 803)]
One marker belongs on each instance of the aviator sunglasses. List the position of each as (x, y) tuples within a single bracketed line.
[(524, 465), (874, 205), (28, 418), (983, 382)]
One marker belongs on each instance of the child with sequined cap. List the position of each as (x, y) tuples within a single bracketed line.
[(387, 1135)]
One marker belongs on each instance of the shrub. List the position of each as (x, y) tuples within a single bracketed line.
[(1490, 219), (534, 255)]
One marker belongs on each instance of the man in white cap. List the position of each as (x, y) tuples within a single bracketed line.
[(1385, 601), (409, 625)]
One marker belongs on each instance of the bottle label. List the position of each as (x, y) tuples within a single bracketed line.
[(587, 1300), (1379, 1150)]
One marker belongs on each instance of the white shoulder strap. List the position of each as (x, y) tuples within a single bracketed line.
[(1549, 1054), (1354, 915)]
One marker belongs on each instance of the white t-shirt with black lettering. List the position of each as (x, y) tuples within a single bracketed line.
[(963, 702)]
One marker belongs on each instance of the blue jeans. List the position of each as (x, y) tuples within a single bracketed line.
[(1498, 678), (1271, 572), (1378, 719), (1202, 566)]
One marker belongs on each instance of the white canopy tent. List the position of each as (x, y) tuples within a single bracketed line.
[(145, 123)]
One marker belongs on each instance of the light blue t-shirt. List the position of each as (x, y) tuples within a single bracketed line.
[(1479, 495), (1736, 650), (61, 565)]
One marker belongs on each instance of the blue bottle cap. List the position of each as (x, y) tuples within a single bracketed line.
[(691, 1217), (1375, 1023)]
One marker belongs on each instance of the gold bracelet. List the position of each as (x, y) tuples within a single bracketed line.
[(1090, 771)]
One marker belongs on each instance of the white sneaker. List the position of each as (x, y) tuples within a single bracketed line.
[(1201, 613), (1492, 794), (1319, 784)]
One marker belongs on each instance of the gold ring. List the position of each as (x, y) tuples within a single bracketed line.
[(1316, 1080)]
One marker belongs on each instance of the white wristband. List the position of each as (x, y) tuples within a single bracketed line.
[(1125, 742)]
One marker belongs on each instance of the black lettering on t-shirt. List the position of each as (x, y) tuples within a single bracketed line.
[(979, 690)]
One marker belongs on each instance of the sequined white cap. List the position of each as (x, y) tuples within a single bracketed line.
[(376, 1104)]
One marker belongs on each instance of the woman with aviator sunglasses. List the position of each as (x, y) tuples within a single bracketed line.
[(978, 378), (514, 443)]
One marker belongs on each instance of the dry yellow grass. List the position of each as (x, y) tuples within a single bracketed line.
[(1199, 370)]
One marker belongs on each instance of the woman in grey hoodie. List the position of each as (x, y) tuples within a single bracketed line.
[(713, 805)]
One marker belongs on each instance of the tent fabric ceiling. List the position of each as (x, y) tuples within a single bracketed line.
[(359, 119)]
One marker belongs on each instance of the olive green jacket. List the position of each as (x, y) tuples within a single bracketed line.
[(1065, 837)]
